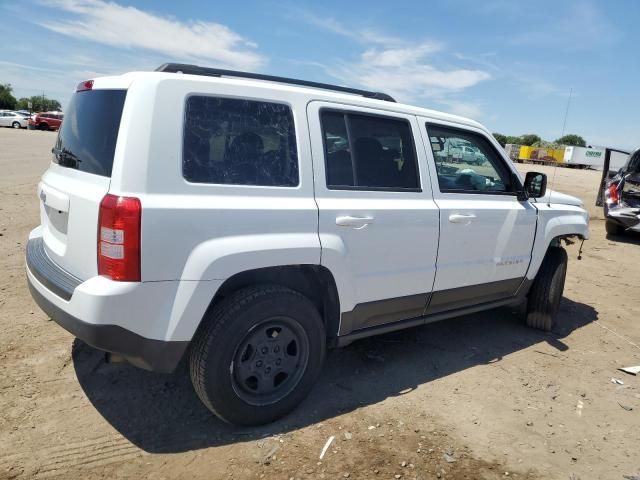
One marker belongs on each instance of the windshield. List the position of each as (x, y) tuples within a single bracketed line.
[(88, 135)]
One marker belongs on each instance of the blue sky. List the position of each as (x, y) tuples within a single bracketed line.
[(507, 64)]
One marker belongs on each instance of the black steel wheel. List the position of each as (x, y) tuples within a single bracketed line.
[(270, 361), (257, 354)]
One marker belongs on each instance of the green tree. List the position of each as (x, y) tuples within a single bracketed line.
[(38, 104), (502, 139), (7, 100), (572, 140), (529, 139), (514, 140), (545, 144)]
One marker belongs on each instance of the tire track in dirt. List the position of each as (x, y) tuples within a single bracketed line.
[(62, 459)]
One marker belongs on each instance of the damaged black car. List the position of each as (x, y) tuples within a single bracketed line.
[(622, 198)]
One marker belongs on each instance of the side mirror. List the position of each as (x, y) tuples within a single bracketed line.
[(535, 184)]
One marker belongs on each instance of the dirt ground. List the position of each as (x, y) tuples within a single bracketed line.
[(479, 396)]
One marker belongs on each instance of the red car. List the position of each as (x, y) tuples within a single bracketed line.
[(46, 120)]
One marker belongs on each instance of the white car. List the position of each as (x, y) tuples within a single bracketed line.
[(472, 155), (252, 221), (9, 118)]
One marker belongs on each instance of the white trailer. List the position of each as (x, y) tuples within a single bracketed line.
[(592, 158)]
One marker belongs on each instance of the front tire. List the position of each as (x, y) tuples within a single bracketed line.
[(258, 354), (544, 297)]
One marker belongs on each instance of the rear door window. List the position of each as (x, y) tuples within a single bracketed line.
[(239, 142), (87, 138), (368, 152)]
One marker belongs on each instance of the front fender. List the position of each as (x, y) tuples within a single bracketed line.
[(556, 221)]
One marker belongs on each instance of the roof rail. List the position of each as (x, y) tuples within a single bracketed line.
[(218, 72)]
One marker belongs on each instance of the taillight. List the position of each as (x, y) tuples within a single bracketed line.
[(83, 86), (119, 238), (614, 197)]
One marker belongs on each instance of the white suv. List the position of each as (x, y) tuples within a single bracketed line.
[(246, 222)]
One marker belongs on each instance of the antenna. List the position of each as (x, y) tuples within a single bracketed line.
[(564, 124)]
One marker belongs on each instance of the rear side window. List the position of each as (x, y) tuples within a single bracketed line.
[(239, 142), (88, 135), (368, 152)]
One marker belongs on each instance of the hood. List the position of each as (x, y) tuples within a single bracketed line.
[(561, 198)]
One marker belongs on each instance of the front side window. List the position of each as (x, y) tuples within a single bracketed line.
[(467, 163), (239, 142), (368, 152)]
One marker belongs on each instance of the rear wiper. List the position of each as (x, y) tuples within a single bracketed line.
[(65, 157)]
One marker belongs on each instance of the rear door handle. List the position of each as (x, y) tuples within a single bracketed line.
[(460, 218), (354, 222)]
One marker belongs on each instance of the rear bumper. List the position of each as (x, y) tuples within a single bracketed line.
[(88, 310), (146, 353), (625, 216)]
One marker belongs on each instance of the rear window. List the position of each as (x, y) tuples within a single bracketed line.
[(239, 142), (88, 135)]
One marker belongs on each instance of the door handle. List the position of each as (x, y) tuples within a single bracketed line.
[(460, 218), (354, 222)]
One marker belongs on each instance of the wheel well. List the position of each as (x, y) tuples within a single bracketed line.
[(568, 239), (313, 281)]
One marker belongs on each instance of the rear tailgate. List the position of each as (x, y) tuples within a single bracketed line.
[(71, 190)]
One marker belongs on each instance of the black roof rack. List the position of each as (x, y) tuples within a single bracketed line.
[(218, 72)]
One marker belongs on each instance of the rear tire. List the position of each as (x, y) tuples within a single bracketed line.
[(16, 125), (546, 292), (258, 354), (613, 228)]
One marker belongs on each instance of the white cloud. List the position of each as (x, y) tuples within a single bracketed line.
[(361, 35), (405, 73), (397, 57), (128, 27), (404, 69), (464, 109)]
